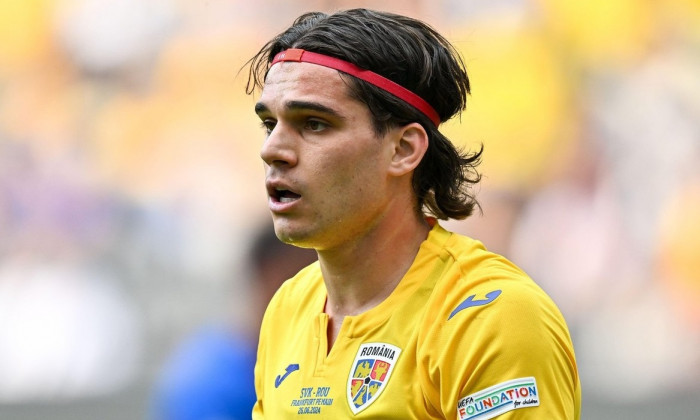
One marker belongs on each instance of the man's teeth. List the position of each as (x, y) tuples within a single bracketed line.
[(286, 196)]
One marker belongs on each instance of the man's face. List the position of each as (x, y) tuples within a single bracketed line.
[(326, 168)]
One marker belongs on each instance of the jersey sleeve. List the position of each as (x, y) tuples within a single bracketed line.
[(265, 337), (258, 412), (499, 349)]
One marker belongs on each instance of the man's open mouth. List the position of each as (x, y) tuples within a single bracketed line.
[(285, 196)]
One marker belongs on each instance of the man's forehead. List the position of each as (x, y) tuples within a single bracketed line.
[(304, 79)]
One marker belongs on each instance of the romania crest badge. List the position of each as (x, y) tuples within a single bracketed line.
[(370, 373)]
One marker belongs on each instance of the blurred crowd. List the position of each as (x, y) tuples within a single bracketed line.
[(131, 186)]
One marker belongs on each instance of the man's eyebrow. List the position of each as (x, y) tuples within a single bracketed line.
[(300, 106), (261, 108), (312, 106)]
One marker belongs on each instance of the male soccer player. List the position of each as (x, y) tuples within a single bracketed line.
[(399, 318)]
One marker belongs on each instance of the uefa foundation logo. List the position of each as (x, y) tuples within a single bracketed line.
[(498, 399), (370, 373)]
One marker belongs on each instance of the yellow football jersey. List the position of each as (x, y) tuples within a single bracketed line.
[(465, 335)]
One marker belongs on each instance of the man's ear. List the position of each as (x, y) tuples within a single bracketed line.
[(409, 147)]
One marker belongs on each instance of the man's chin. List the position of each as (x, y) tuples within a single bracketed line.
[(292, 235)]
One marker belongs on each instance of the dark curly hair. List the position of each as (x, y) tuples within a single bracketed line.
[(412, 54)]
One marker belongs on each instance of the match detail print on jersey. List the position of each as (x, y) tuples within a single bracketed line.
[(370, 373), (499, 399)]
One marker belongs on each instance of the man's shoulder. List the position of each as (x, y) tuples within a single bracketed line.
[(476, 280), (487, 301), (471, 263)]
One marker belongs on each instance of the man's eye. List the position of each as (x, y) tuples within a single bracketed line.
[(268, 126), (315, 125)]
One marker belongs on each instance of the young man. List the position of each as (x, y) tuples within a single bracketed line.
[(399, 318)]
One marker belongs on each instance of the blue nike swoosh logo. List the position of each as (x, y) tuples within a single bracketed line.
[(291, 368), (469, 302)]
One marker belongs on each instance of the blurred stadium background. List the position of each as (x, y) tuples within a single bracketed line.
[(130, 184)]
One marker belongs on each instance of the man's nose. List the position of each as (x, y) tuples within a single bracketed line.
[(278, 148)]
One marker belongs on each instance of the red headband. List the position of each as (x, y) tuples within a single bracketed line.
[(299, 55)]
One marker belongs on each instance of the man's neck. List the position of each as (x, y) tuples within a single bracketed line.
[(363, 274)]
